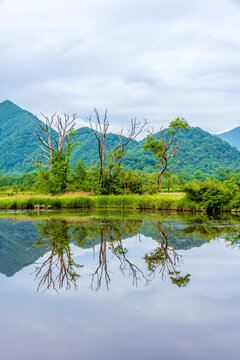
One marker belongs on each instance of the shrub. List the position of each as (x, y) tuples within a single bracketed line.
[(211, 195)]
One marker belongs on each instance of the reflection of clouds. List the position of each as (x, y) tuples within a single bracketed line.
[(157, 59), (193, 322)]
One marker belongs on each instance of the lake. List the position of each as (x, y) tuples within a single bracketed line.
[(119, 285)]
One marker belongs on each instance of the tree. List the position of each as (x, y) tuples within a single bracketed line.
[(100, 130), (57, 267), (48, 140), (166, 260), (166, 146), (56, 149)]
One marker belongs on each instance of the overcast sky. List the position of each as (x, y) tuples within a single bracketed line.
[(157, 59)]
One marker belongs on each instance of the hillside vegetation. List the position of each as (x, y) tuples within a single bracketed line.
[(232, 137), (200, 150)]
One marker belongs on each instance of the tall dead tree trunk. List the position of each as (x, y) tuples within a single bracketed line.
[(48, 143), (100, 131), (135, 129)]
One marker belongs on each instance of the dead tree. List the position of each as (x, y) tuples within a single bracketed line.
[(100, 131), (133, 270), (49, 142), (102, 268), (135, 129)]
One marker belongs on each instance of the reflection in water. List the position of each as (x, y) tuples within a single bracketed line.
[(58, 269), (114, 234), (166, 260), (179, 323)]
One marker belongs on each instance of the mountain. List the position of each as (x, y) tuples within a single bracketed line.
[(232, 137), (15, 124), (16, 245), (88, 148), (199, 149)]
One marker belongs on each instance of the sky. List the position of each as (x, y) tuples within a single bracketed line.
[(153, 59)]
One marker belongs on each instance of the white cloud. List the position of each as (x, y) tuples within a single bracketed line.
[(156, 59)]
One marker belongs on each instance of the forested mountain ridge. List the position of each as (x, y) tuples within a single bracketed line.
[(232, 137), (16, 124), (199, 149)]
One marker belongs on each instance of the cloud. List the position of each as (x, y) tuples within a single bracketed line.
[(157, 59)]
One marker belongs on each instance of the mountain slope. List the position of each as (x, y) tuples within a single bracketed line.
[(232, 137), (200, 150), (88, 148), (15, 124)]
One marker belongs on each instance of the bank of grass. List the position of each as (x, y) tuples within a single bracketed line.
[(170, 201)]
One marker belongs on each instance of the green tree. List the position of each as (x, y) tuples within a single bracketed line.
[(165, 147)]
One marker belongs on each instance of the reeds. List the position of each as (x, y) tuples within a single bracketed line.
[(72, 201)]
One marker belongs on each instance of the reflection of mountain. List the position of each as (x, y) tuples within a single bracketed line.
[(17, 237), (173, 231), (16, 245)]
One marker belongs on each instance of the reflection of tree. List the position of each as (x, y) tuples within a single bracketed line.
[(207, 228), (165, 259), (102, 268), (114, 233), (133, 270), (58, 269)]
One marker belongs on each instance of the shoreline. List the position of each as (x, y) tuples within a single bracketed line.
[(168, 202)]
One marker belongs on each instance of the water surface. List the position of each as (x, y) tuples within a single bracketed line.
[(114, 285)]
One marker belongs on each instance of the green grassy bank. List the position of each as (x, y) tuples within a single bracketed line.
[(155, 202)]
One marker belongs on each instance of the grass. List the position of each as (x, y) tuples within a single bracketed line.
[(75, 201)]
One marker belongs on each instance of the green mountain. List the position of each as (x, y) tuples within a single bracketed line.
[(199, 149), (16, 245), (88, 148), (232, 137), (15, 124)]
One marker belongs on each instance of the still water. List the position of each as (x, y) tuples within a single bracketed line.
[(119, 285)]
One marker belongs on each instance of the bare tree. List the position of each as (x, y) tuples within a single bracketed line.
[(100, 129), (46, 139), (135, 129), (102, 268), (116, 246), (133, 270)]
